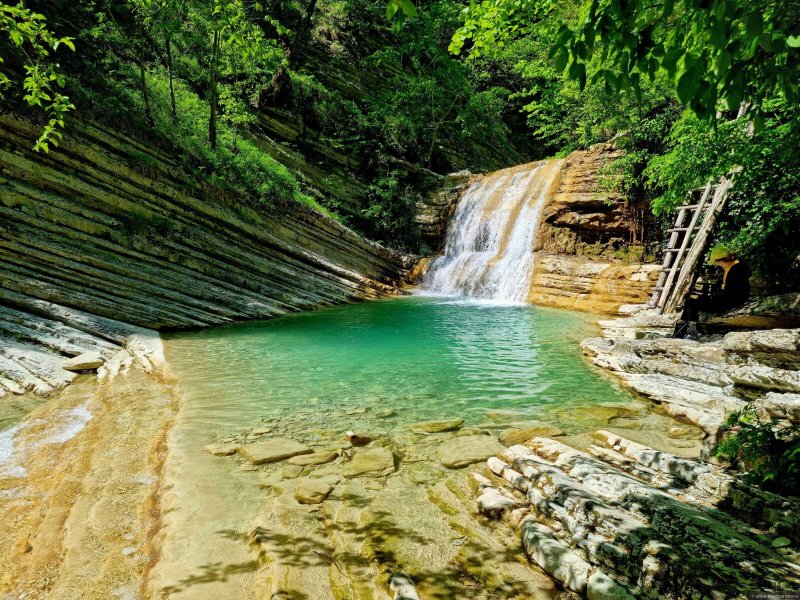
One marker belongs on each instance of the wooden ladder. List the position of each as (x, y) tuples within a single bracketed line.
[(686, 223)]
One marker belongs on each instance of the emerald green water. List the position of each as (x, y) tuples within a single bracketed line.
[(426, 358), (372, 368)]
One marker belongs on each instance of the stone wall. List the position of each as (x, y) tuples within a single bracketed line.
[(115, 229)]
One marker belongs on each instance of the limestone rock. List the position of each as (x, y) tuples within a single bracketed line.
[(317, 458), (513, 436), (370, 462), (221, 449), (84, 362), (462, 451), (601, 587), (403, 587), (437, 426), (272, 450), (312, 491), (563, 564)]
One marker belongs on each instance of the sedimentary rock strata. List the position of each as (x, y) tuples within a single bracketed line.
[(703, 382), (626, 521), (118, 233)]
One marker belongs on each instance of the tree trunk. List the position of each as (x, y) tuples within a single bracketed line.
[(169, 73), (212, 121)]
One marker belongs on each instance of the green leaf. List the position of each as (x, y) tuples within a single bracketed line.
[(391, 8), (687, 85), (561, 59), (793, 41), (408, 8), (781, 542)]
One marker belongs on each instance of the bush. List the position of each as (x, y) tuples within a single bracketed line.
[(769, 453)]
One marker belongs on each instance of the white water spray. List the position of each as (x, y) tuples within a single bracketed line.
[(489, 249)]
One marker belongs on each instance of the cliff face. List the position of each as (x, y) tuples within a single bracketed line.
[(583, 257), (117, 230), (585, 261)]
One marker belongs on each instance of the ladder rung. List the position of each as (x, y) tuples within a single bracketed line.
[(672, 250), (665, 270), (688, 207), (658, 288), (680, 229)]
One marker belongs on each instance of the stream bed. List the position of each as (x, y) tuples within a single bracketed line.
[(377, 369)]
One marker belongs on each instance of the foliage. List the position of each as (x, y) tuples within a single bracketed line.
[(391, 210), (763, 213), (28, 33), (769, 453), (716, 51)]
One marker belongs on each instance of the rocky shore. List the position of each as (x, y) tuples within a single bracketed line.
[(703, 382)]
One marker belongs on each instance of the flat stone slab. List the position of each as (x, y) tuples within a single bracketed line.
[(515, 435), (84, 362), (370, 462), (221, 449), (317, 458), (437, 426), (462, 451), (272, 450), (312, 491)]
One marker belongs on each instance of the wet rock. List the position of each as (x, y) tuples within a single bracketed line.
[(312, 491), (262, 430), (370, 462), (84, 362), (317, 458), (513, 436), (472, 431), (601, 587), (462, 451), (384, 413), (357, 411), (290, 472), (221, 449), (437, 426), (357, 440), (272, 450)]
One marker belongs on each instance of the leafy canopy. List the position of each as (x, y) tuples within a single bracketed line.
[(734, 52), (27, 32)]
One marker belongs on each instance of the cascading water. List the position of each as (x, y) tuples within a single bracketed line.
[(489, 249)]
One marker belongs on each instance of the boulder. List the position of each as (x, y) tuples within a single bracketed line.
[(462, 451), (370, 462), (312, 491), (437, 426), (84, 362), (317, 458), (272, 450)]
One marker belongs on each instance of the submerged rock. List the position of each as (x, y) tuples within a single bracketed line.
[(513, 436), (317, 458), (84, 362), (312, 491), (357, 440), (221, 449), (437, 426), (403, 587), (370, 462), (272, 450), (462, 451)]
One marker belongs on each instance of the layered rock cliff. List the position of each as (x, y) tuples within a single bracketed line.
[(116, 230), (583, 256)]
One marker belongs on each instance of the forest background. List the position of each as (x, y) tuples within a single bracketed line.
[(404, 90)]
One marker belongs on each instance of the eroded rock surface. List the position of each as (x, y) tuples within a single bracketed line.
[(703, 382), (626, 521)]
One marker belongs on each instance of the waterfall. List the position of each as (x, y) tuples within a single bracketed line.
[(489, 248)]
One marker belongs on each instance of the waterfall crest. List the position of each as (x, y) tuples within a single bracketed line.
[(489, 247)]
